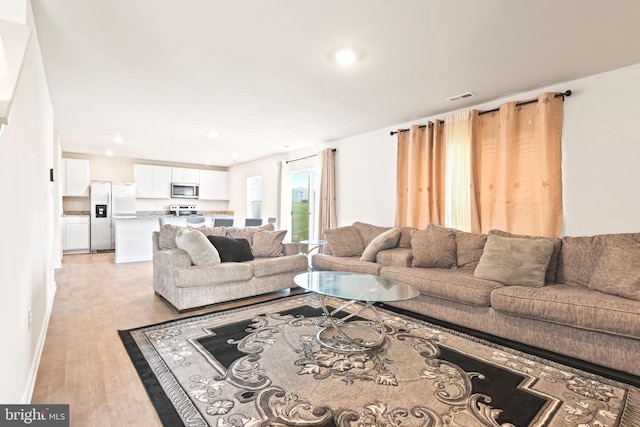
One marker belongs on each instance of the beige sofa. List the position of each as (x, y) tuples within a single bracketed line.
[(587, 305), (187, 286)]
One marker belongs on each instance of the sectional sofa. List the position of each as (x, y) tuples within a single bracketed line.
[(575, 296), (197, 267)]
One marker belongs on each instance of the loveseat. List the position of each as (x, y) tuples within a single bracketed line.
[(230, 263), (581, 298)]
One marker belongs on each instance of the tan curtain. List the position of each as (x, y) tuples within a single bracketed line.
[(517, 168), (327, 198), (420, 176)]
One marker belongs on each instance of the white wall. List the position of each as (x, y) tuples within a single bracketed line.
[(26, 264), (601, 145)]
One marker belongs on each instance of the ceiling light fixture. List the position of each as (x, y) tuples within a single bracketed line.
[(117, 139), (345, 57), (213, 134), (109, 153)]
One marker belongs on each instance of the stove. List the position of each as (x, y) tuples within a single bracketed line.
[(183, 210)]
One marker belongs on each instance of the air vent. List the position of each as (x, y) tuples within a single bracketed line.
[(461, 96)]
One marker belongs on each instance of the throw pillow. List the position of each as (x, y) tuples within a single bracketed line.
[(515, 261), (344, 241), (386, 240), (552, 269), (230, 249), (197, 246), (268, 243), (617, 272), (433, 248)]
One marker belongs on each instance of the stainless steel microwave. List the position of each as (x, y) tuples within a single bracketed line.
[(180, 190)]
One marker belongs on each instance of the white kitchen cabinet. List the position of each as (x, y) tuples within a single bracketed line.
[(185, 175), (76, 177), (75, 234), (214, 185), (152, 182)]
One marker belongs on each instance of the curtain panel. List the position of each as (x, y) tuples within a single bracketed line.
[(420, 176), (517, 168), (327, 199)]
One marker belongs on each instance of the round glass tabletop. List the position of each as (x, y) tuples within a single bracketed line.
[(355, 286)]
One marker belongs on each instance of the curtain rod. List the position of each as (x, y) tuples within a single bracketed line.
[(519, 104), (308, 157)]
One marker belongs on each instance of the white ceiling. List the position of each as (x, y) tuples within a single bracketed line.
[(162, 73)]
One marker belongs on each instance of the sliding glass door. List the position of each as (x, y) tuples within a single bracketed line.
[(303, 205)]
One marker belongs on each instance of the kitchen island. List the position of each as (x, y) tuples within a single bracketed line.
[(133, 234), (133, 238)]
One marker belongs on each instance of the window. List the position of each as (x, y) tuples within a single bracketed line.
[(254, 196)]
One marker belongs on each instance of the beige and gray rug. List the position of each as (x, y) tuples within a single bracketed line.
[(262, 366)]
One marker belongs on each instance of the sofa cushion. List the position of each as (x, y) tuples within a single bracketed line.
[(453, 285), (580, 255), (618, 271), (167, 238), (552, 268), (344, 241), (434, 247), (368, 232), (269, 266), (268, 243), (351, 264), (469, 248), (197, 246), (205, 275), (212, 231), (385, 240), (230, 249), (405, 236), (515, 261), (400, 257), (571, 305)]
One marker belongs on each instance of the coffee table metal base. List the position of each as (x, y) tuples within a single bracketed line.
[(343, 342)]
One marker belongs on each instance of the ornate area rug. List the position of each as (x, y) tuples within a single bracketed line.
[(261, 365)]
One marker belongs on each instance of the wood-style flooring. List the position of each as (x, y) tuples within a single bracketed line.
[(84, 363)]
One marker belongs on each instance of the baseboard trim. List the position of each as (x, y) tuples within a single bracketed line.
[(35, 363)]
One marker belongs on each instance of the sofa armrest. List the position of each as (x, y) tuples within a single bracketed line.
[(291, 248)]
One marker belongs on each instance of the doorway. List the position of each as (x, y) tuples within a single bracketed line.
[(303, 205)]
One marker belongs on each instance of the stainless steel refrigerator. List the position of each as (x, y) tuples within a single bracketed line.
[(109, 201)]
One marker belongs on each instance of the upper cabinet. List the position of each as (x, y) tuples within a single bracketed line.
[(152, 182), (214, 185), (76, 180), (185, 175)]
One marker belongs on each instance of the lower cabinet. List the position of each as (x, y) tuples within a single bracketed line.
[(75, 234)]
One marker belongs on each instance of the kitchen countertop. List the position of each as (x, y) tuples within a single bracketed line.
[(75, 213)]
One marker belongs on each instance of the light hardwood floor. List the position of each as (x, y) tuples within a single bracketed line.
[(84, 363)]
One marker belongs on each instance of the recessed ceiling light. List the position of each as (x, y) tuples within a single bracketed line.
[(345, 57), (117, 139), (213, 134), (109, 153)]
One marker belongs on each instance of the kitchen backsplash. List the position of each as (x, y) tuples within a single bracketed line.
[(75, 204)]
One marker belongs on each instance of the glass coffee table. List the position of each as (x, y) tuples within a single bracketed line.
[(340, 330)]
